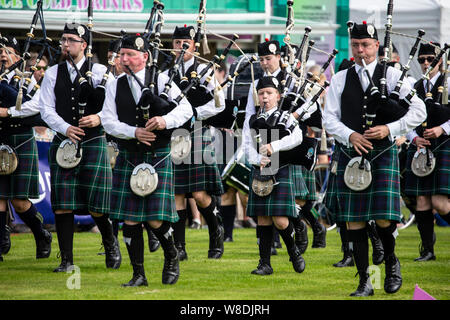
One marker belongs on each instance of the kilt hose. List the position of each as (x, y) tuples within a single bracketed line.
[(159, 205), (438, 182), (86, 187), (199, 171), (381, 200), (24, 182), (280, 202)]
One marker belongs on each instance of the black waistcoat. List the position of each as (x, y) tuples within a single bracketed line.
[(353, 100), (130, 113), (66, 104)]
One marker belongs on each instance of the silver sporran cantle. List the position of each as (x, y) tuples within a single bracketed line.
[(144, 180), (66, 154), (419, 163), (180, 148), (113, 152), (8, 160), (262, 185), (355, 178)]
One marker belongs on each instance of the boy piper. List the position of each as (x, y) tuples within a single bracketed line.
[(143, 142)]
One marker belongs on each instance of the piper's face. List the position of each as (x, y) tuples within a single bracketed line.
[(270, 63), (269, 96), (425, 61), (73, 44), (4, 56), (366, 49), (117, 65), (178, 44), (134, 59)]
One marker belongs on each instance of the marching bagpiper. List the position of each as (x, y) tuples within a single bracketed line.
[(431, 187), (373, 191), (81, 175), (17, 138)]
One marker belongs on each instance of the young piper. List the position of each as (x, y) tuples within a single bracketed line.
[(279, 205)]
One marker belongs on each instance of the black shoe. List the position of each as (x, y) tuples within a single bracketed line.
[(137, 281), (5, 243), (228, 239), (153, 242), (301, 237), (66, 264), (297, 260), (182, 254), (263, 269), (171, 270), (1, 258), (393, 280), (426, 250), (320, 237), (44, 246), (216, 244), (113, 258), (364, 288), (347, 260)]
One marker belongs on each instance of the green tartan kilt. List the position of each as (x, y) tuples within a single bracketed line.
[(224, 153), (309, 183), (159, 205), (300, 186), (381, 200), (23, 183), (199, 171), (280, 202), (87, 187), (438, 182)]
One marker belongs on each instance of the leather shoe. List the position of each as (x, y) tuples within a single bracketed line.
[(153, 242), (426, 251), (171, 270), (426, 256), (365, 286), (66, 265), (5, 243), (273, 251), (228, 239), (44, 246), (347, 260), (393, 280), (182, 254), (113, 258), (297, 260), (301, 237), (263, 269), (137, 281), (320, 237), (216, 244), (277, 244)]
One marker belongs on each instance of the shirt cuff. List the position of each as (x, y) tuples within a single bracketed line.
[(446, 128), (394, 130), (64, 128), (346, 134), (275, 146), (169, 121)]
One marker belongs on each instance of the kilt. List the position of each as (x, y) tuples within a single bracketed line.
[(281, 202), (200, 171), (159, 205), (24, 182), (381, 200), (87, 187), (438, 182), (300, 183)]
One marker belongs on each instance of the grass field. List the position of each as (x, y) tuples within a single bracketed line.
[(23, 277)]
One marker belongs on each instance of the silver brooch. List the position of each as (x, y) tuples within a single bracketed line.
[(370, 30), (139, 43), (192, 33), (275, 82), (273, 48), (81, 31)]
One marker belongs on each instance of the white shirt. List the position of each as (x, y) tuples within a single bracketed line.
[(48, 99), (446, 125), (209, 109), (332, 113), (286, 143), (110, 120)]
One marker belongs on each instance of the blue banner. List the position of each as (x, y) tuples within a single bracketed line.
[(43, 204)]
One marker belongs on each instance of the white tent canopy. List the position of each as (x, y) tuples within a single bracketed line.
[(433, 16)]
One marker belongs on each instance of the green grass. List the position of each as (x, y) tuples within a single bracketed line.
[(23, 277)]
